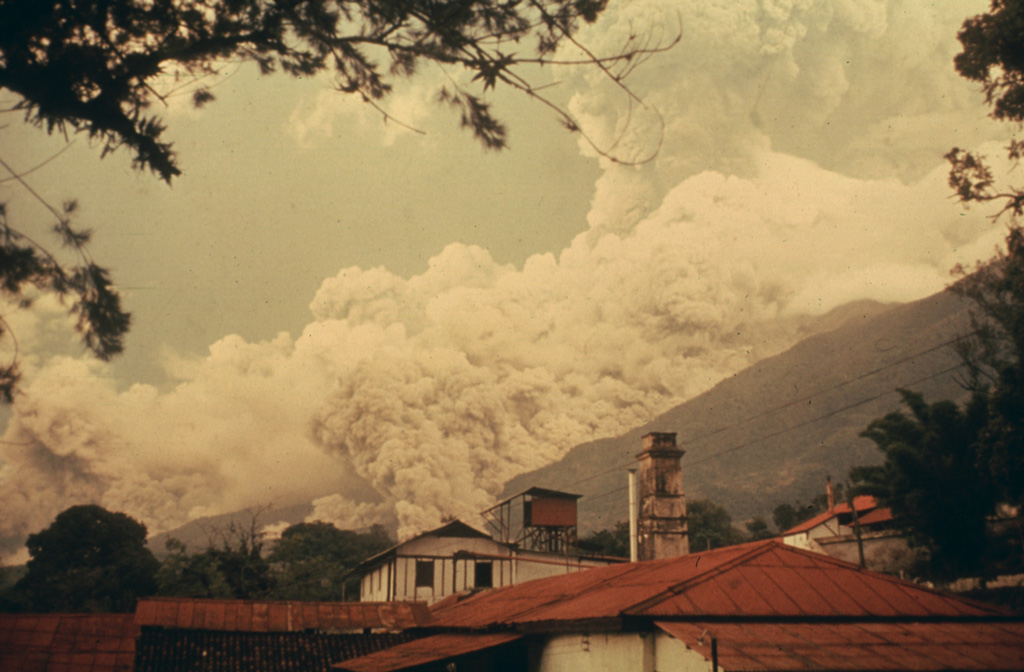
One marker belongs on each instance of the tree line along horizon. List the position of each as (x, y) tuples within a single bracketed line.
[(90, 559), (946, 465)]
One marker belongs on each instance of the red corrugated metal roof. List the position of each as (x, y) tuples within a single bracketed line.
[(426, 650), (67, 642), (862, 502), (764, 579), (791, 647), (261, 616)]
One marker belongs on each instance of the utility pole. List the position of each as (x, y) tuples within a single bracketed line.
[(856, 525)]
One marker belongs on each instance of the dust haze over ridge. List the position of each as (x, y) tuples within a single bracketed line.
[(800, 167)]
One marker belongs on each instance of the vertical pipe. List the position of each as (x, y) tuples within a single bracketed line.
[(714, 655), (632, 516)]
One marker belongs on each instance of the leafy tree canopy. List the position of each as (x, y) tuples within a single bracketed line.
[(710, 526), (314, 561), (931, 479), (91, 66), (993, 55), (88, 559), (613, 542), (231, 566)]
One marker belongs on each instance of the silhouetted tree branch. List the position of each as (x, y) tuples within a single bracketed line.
[(82, 66)]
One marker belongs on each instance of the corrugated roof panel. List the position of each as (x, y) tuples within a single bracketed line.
[(146, 612), (243, 618), (231, 615), (260, 617), (857, 646), (751, 591), (186, 610), (370, 615), (709, 597), (277, 617), (310, 617), (427, 650), (764, 578), (167, 612), (215, 615)]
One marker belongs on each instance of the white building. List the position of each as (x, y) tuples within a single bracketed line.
[(534, 536)]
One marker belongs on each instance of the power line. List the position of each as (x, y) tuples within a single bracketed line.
[(861, 402), (794, 402)]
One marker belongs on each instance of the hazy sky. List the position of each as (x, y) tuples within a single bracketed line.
[(329, 307)]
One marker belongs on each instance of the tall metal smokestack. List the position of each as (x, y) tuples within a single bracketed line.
[(632, 516), (662, 526)]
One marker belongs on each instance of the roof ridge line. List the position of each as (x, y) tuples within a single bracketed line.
[(757, 548), (821, 557)]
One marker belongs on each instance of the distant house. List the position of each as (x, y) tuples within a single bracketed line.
[(762, 606), (834, 533)]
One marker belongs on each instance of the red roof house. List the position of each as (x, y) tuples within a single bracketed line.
[(763, 606), (834, 533)]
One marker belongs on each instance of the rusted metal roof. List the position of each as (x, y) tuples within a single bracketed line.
[(861, 502), (811, 647), (759, 579), (534, 492), (278, 616), (67, 642), (427, 650)]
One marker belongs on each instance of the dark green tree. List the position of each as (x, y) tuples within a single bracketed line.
[(757, 528), (992, 354), (314, 561), (82, 66), (182, 574), (710, 526), (788, 515), (930, 477), (613, 542), (88, 559), (993, 55)]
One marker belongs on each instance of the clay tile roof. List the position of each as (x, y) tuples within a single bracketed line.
[(67, 642), (759, 579), (174, 650), (427, 650), (861, 502), (278, 616), (882, 515), (776, 647)]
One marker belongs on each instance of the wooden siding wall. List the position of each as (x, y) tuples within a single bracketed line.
[(395, 580)]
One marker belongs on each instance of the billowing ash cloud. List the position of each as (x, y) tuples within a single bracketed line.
[(800, 169), (861, 87)]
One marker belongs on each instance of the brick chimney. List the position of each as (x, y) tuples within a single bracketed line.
[(662, 527)]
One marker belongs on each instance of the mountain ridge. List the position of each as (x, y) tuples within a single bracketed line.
[(772, 432)]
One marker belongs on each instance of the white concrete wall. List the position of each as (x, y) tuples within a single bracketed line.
[(615, 652)]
